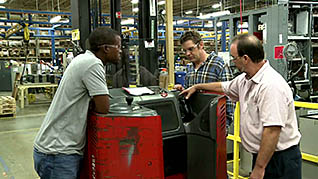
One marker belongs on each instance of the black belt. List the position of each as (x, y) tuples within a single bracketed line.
[(281, 151), (288, 149)]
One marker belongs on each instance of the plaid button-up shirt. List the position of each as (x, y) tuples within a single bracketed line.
[(212, 70)]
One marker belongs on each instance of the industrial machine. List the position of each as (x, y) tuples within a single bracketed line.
[(126, 143), (291, 51), (192, 133)]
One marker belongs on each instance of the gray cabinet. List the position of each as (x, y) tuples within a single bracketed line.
[(5, 76)]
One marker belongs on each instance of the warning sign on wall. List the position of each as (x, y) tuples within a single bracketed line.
[(278, 52)]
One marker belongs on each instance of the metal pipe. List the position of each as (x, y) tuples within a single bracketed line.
[(100, 12), (181, 8), (302, 2), (197, 13)]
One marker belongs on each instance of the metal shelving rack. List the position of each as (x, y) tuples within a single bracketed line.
[(306, 37), (40, 30)]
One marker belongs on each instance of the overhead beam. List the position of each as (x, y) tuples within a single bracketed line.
[(61, 2), (45, 2)]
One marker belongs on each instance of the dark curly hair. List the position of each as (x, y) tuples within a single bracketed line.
[(190, 35), (101, 36)]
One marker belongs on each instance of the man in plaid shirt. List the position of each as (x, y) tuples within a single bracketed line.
[(204, 68)]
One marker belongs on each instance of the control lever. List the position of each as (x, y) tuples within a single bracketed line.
[(185, 109), (129, 100)]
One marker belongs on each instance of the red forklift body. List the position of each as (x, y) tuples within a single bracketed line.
[(126, 145)]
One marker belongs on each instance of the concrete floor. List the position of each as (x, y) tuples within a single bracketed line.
[(17, 136)]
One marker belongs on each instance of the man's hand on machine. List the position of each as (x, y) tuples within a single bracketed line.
[(178, 87), (188, 92)]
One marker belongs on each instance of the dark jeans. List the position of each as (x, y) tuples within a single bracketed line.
[(60, 166), (284, 164)]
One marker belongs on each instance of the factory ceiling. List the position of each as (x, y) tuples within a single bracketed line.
[(180, 7)]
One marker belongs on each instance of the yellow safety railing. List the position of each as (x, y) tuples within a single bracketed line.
[(305, 156), (306, 105), (236, 140)]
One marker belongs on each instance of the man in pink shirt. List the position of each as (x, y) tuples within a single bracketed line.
[(268, 125)]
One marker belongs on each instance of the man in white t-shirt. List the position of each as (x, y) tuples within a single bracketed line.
[(59, 145), (268, 124)]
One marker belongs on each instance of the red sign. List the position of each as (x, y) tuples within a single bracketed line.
[(278, 52), (118, 15)]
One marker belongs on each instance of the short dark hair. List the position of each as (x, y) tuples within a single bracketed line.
[(249, 45), (101, 36), (190, 35)]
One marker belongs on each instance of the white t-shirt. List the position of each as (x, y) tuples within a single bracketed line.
[(265, 100)]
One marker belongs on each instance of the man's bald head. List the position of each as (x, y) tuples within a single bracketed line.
[(249, 45)]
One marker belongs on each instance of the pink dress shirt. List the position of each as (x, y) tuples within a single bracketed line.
[(265, 100)]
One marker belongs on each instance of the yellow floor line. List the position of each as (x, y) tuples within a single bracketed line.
[(19, 130)]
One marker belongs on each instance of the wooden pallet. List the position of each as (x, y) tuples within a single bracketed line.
[(7, 116), (6, 100), (7, 105), (7, 110)]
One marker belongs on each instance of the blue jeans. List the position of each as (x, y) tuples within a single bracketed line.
[(59, 166)]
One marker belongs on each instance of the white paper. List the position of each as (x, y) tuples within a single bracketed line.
[(149, 44), (138, 91)]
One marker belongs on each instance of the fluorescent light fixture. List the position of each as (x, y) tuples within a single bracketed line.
[(135, 9), (55, 19), (217, 5), (206, 16), (214, 14), (134, 1), (189, 12), (2, 7), (2, 1), (161, 3), (220, 13), (127, 21)]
